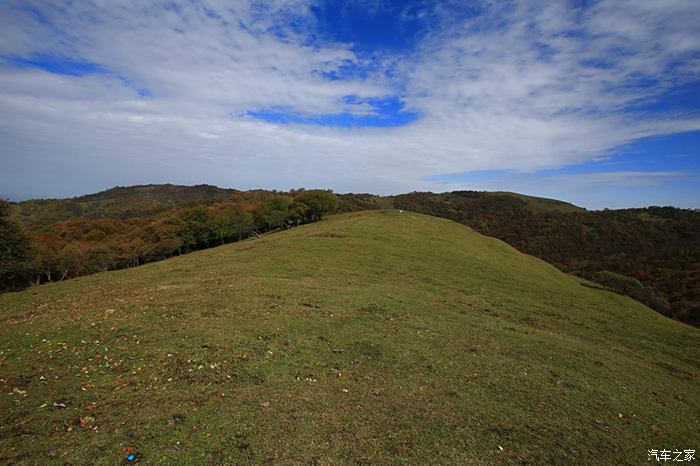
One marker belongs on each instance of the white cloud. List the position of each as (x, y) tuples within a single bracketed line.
[(490, 94), (614, 179)]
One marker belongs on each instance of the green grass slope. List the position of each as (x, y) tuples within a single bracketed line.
[(368, 338)]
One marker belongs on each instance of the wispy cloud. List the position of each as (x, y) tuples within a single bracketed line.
[(612, 179), (504, 86)]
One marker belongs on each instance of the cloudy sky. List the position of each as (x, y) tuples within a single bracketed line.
[(593, 102)]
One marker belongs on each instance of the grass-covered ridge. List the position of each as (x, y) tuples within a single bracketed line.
[(375, 337)]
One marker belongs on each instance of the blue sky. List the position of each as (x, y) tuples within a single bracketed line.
[(593, 102)]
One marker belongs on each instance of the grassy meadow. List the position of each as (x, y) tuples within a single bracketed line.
[(368, 338)]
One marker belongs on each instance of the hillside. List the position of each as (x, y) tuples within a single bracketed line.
[(367, 338), (651, 254)]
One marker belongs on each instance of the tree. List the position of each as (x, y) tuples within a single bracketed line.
[(298, 211), (194, 222), (15, 250), (242, 222), (221, 228), (45, 252), (273, 212), (318, 203)]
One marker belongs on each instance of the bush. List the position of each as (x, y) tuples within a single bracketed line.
[(629, 286)]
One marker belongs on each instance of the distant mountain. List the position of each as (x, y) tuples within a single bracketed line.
[(118, 202), (160, 193), (539, 205), (369, 337)]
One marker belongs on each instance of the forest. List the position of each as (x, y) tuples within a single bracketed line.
[(53, 240), (650, 254)]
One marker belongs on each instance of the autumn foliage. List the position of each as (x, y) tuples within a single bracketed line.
[(126, 227)]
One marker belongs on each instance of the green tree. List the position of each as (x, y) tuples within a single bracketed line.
[(194, 226), (273, 213), (298, 212), (242, 222), (221, 228), (318, 203), (15, 250)]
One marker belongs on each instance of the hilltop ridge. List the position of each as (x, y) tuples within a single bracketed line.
[(650, 254)]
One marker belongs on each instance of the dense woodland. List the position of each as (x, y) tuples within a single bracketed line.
[(651, 254), (52, 240)]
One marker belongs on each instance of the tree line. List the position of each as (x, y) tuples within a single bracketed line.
[(75, 246)]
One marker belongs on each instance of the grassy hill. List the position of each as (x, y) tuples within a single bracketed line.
[(654, 252), (367, 338), (650, 254)]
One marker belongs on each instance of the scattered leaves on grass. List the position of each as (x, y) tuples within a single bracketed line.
[(86, 421)]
